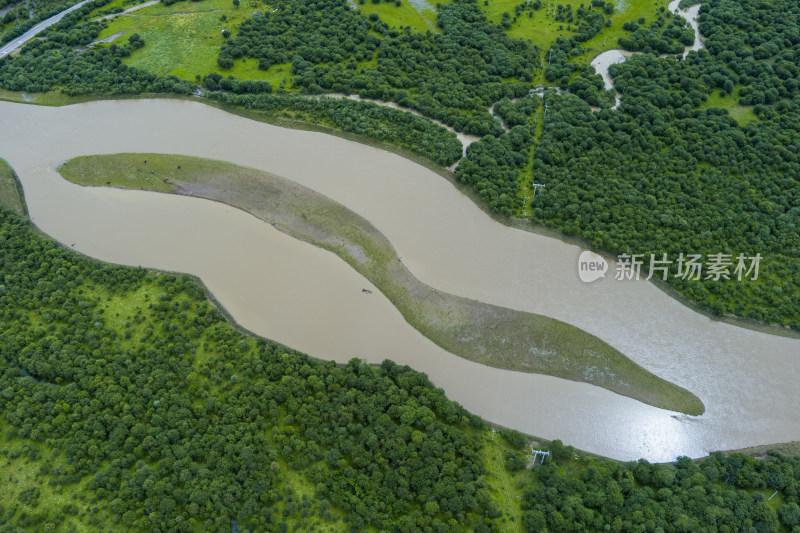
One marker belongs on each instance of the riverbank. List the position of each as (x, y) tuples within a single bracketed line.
[(11, 195), (487, 334)]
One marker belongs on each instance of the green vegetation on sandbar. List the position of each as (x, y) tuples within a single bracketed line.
[(51, 98), (474, 330), (11, 196)]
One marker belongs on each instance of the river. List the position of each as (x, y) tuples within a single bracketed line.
[(309, 299)]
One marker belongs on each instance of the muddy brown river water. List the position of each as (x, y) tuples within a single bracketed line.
[(309, 299)]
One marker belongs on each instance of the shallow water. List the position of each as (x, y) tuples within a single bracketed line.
[(464, 138), (309, 299), (604, 60), (690, 14)]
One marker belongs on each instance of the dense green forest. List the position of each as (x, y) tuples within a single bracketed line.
[(329, 46), (690, 179), (668, 34), (136, 384), (128, 401), (326, 42), (719, 493)]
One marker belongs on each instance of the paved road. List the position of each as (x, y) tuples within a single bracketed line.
[(134, 8), (28, 35)]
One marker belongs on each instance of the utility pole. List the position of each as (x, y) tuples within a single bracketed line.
[(545, 111)]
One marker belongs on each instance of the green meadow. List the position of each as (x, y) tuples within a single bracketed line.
[(542, 28), (184, 39), (420, 18), (741, 113)]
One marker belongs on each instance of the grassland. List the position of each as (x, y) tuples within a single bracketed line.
[(27, 493), (542, 29), (506, 487), (786, 448), (184, 39), (480, 332), (741, 113), (420, 17), (51, 98), (10, 190)]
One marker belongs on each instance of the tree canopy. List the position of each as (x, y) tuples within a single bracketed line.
[(180, 422)]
